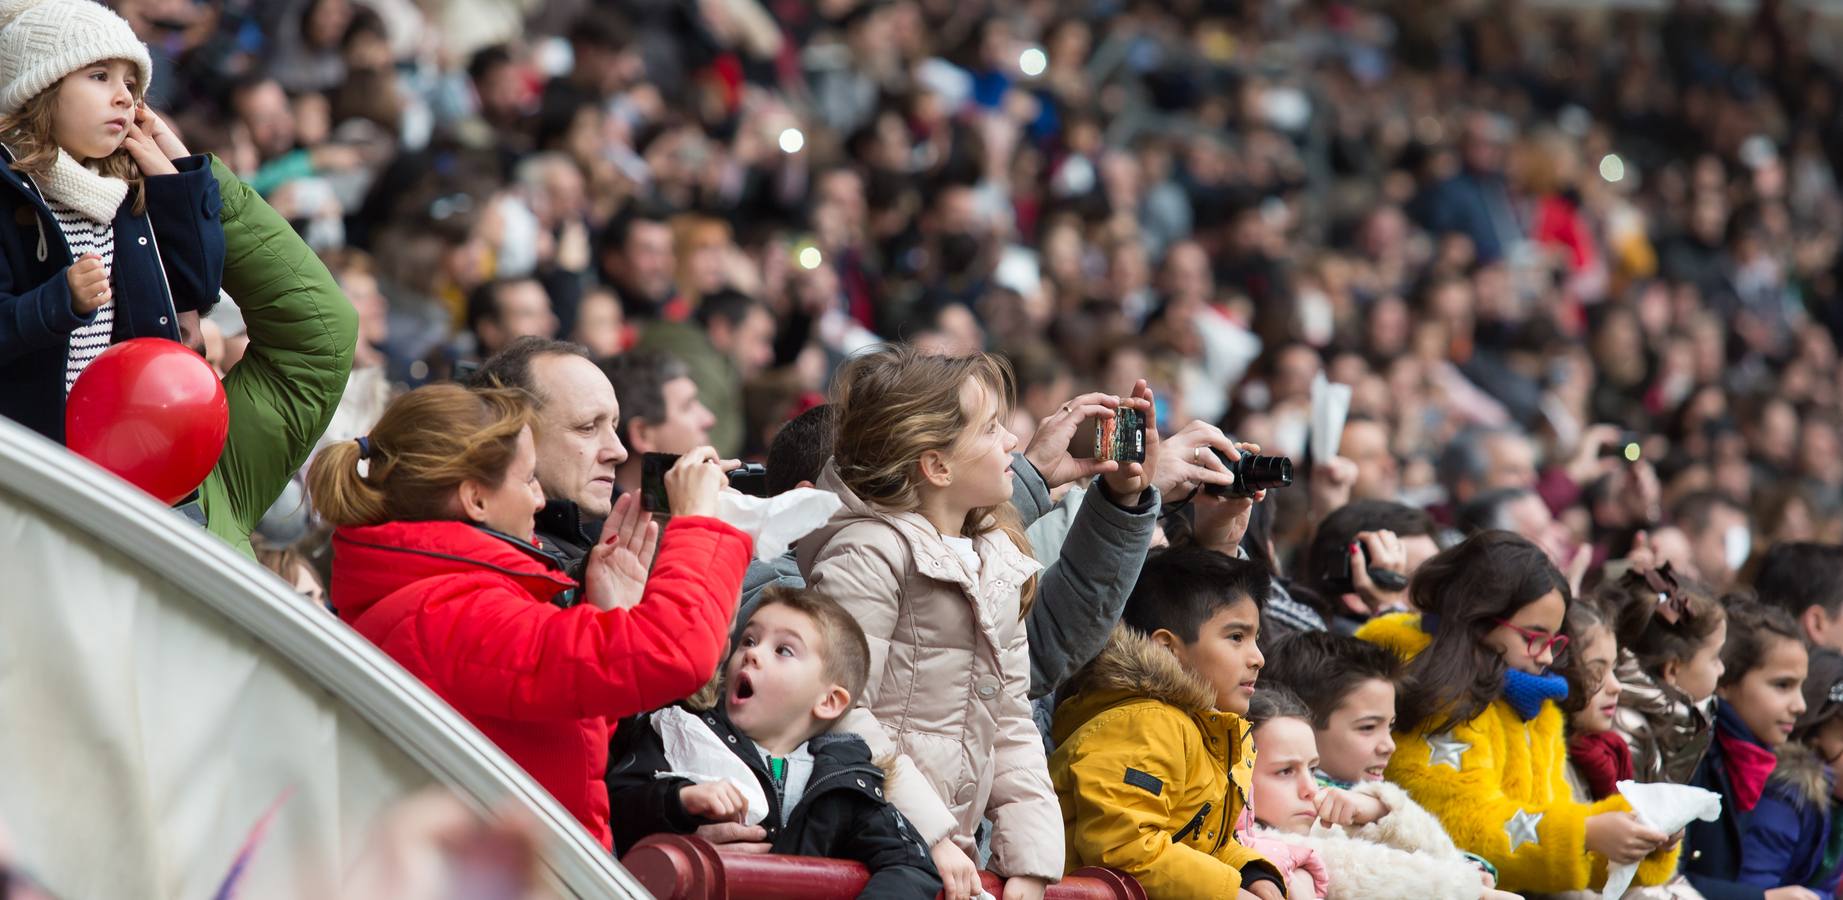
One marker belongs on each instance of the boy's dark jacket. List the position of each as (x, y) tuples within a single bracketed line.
[(167, 261), (842, 815), (1781, 841)]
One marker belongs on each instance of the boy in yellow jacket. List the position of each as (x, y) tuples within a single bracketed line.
[(1153, 758)]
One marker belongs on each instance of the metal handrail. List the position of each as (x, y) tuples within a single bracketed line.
[(422, 725)]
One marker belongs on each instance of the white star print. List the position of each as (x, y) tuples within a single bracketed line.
[(1522, 829), (1446, 750)]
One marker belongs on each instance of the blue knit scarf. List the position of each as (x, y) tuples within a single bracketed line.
[(1526, 692)]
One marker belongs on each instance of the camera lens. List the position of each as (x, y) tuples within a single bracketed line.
[(1254, 473)]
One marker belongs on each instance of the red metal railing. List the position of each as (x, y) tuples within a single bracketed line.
[(680, 867)]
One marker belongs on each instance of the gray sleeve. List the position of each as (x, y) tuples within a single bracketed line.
[(1029, 493), (1081, 594)]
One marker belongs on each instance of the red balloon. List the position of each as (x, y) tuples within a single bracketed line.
[(152, 412)]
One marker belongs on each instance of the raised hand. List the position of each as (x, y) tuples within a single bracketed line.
[(614, 576), (1049, 447), (146, 154)]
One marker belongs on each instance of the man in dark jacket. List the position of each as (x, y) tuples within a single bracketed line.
[(766, 756)]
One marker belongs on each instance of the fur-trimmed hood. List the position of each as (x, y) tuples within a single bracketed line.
[(1801, 773), (1132, 665)]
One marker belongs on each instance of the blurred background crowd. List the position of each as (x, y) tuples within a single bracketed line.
[(1505, 225)]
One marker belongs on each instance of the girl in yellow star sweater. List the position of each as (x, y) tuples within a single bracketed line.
[(1482, 744)]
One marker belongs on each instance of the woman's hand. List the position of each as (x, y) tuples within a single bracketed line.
[(1381, 550), (1049, 447), (1621, 838), (737, 837), (614, 575), (1186, 461), (693, 483), (959, 876)]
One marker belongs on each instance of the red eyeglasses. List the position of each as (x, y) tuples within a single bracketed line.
[(1538, 640)]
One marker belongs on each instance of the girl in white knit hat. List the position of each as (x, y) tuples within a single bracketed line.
[(108, 228)]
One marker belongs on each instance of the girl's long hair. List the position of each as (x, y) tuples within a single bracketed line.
[(27, 133), (1462, 593), (427, 443), (895, 404)]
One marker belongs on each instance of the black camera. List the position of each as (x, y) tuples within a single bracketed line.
[(1339, 579), (1630, 447), (749, 478), (1252, 474)]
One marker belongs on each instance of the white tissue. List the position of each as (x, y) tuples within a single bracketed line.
[(776, 522), (1661, 807), (1330, 407), (696, 754)]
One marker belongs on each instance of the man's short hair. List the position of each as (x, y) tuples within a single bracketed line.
[(800, 449), (1485, 512), (486, 59), (1324, 668), (728, 304), (842, 645), (603, 29), (1464, 457), (639, 378), (1181, 588), (1692, 512), (511, 367), (1797, 575), (483, 300)]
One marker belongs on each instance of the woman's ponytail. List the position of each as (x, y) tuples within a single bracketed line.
[(340, 494)]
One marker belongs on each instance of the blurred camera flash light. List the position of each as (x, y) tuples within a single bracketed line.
[(1612, 168), (1032, 62), (792, 140), (810, 258), (1632, 451)]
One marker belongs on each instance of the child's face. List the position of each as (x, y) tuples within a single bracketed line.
[(981, 466), (1698, 675), (775, 689), (1597, 652), (1355, 744), (1532, 624), (1224, 653), (1285, 792), (95, 105), (1769, 697)]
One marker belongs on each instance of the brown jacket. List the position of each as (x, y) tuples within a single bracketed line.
[(950, 670)]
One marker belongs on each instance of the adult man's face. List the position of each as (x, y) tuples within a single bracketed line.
[(1510, 463), (687, 422), (1378, 475), (647, 264), (523, 310), (749, 342), (578, 449)]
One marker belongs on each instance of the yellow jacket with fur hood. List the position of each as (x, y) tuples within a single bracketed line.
[(1499, 785), (1150, 775)]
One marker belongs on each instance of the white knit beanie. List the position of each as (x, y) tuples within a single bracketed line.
[(41, 41)]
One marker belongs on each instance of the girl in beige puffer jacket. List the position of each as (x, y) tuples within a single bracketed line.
[(927, 556)]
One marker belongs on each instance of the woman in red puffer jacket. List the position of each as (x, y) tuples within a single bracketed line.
[(433, 561)]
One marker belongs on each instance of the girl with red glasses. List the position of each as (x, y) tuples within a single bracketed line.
[(1482, 743)]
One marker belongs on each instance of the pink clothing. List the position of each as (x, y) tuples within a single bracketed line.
[(1288, 858)]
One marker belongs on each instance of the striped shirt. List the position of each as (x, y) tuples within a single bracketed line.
[(85, 235)]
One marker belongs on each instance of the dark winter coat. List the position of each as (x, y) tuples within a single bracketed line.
[(842, 814), (168, 260), (1780, 841)]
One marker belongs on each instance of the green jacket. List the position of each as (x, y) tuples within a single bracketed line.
[(282, 394), (719, 384)]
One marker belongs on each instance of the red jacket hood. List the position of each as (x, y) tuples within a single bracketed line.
[(373, 561)]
